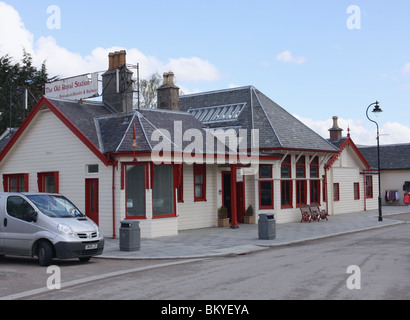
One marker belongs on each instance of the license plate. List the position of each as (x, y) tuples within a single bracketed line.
[(91, 246)]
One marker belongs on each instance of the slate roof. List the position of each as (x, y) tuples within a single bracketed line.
[(113, 132), (392, 157), (278, 129)]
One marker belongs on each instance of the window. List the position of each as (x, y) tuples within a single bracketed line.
[(301, 193), (135, 190), (356, 190), (266, 194), (199, 182), (218, 113), (369, 187), (301, 168), (314, 168), (286, 168), (265, 171), (286, 193), (15, 182), (163, 191), (315, 192), (336, 195), (265, 187), (20, 209), (92, 168), (48, 182)]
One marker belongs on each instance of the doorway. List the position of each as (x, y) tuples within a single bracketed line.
[(227, 196), (91, 199)]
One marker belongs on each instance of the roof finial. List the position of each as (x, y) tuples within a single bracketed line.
[(348, 132)]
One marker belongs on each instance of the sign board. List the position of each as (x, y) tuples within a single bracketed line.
[(75, 88)]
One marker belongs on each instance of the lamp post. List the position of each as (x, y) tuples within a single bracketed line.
[(376, 112)]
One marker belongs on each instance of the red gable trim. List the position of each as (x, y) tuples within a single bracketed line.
[(348, 142), (47, 103)]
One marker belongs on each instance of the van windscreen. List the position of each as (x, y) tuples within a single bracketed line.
[(55, 206)]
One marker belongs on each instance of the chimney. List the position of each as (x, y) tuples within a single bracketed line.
[(168, 94), (335, 131), (118, 83)]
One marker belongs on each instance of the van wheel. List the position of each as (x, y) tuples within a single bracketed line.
[(45, 254)]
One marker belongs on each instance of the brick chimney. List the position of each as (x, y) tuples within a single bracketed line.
[(168, 93), (118, 83), (335, 131)]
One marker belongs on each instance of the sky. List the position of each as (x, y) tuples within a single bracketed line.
[(316, 59)]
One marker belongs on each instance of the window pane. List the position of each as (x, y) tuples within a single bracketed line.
[(163, 192), (265, 171), (266, 194), (49, 184), (285, 172), (198, 178), (300, 172), (135, 190), (198, 191)]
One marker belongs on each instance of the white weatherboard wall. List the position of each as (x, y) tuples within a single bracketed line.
[(202, 214), (48, 145)]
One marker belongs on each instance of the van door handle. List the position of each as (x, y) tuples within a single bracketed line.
[(5, 222)]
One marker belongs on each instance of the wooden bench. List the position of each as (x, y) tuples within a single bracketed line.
[(316, 214), (305, 211)]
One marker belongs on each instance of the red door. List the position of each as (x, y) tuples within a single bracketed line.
[(91, 199)]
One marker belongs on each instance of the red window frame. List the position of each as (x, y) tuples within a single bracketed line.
[(271, 206), (315, 197), (369, 187), (286, 190), (147, 174), (286, 164), (41, 178), (301, 163), (19, 188), (179, 181), (336, 192), (356, 190), (265, 180), (314, 164), (200, 170), (301, 197)]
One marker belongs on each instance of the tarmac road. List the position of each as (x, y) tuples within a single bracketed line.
[(310, 270)]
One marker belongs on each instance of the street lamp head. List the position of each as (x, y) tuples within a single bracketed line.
[(377, 110)]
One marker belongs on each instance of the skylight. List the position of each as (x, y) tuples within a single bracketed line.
[(218, 113)]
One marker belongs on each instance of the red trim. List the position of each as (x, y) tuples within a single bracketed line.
[(6, 182), (89, 204), (260, 194), (290, 205), (47, 103), (200, 169), (337, 185), (41, 180), (234, 208), (348, 142)]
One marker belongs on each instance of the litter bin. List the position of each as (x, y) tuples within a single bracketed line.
[(130, 235), (267, 226)]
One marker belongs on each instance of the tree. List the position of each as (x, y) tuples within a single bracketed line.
[(21, 86), (148, 91)]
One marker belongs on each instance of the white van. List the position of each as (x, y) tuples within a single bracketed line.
[(47, 226)]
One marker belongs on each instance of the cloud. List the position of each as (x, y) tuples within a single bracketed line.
[(14, 37), (287, 57), (64, 63), (390, 132), (406, 69)]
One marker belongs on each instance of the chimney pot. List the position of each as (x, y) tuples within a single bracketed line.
[(171, 78), (165, 76), (111, 61), (122, 59), (335, 131)]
